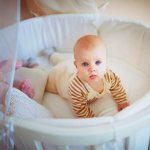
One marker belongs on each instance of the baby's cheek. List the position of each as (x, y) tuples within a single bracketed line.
[(83, 75), (102, 69)]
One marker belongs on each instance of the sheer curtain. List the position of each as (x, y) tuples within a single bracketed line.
[(9, 21)]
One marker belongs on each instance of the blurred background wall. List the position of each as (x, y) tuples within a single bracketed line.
[(132, 9)]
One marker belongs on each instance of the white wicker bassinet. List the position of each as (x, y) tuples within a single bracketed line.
[(128, 46)]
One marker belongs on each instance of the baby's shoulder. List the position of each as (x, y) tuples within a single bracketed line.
[(110, 75), (75, 84), (109, 72), (75, 81)]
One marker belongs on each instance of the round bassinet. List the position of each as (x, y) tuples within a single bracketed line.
[(128, 50)]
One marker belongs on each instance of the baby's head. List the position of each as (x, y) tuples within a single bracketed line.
[(90, 58)]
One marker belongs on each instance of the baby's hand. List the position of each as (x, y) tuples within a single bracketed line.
[(28, 88), (122, 106)]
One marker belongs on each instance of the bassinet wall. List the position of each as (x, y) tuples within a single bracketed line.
[(127, 42)]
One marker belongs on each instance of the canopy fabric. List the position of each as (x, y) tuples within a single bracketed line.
[(8, 44), (9, 19)]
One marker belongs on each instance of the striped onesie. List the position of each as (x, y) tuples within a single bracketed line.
[(82, 94)]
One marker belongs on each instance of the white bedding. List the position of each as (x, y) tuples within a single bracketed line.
[(106, 106), (137, 94), (24, 107)]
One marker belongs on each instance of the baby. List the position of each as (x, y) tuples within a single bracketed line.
[(92, 79)]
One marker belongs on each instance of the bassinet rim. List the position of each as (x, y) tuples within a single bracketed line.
[(105, 17), (125, 20), (68, 134)]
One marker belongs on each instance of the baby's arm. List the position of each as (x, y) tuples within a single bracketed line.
[(117, 90), (79, 104)]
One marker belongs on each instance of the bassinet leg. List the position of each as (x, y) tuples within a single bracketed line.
[(38, 145), (131, 142), (63, 147), (98, 147), (139, 141), (24, 143)]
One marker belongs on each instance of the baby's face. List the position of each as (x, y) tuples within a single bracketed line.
[(91, 64)]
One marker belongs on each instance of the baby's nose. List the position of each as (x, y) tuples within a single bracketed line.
[(92, 68)]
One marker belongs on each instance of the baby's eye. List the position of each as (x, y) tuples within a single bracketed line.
[(98, 62), (85, 64)]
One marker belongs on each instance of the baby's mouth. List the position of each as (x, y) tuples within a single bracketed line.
[(92, 77)]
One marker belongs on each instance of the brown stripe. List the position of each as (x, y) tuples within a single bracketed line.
[(82, 84), (74, 83)]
